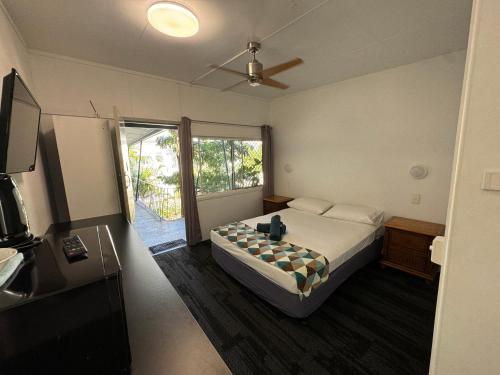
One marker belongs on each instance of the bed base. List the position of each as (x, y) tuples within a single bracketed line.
[(290, 303)]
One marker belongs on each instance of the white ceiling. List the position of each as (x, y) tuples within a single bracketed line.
[(338, 40)]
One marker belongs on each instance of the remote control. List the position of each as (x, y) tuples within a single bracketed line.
[(74, 248)]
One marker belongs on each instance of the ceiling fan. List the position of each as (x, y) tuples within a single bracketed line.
[(256, 75)]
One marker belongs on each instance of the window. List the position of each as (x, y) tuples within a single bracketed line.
[(226, 164)]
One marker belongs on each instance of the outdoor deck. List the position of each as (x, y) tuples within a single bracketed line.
[(154, 231)]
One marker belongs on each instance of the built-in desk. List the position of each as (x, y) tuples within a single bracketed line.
[(164, 336), (65, 316)]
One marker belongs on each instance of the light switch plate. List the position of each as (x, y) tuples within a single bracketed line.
[(415, 198), (491, 180)]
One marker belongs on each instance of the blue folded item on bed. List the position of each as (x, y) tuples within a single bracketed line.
[(308, 268), (266, 228), (275, 231), (10, 267)]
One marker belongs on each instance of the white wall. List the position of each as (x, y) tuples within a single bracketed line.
[(467, 328), (225, 208), (13, 54), (354, 141), (65, 86)]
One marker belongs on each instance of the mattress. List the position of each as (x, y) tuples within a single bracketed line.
[(289, 303), (337, 240)]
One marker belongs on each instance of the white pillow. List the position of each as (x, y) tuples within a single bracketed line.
[(313, 205), (357, 213)]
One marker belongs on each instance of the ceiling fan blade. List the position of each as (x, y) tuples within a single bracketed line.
[(273, 83), (232, 86), (281, 67), (229, 70)]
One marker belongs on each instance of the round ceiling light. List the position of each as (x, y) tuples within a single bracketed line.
[(173, 19)]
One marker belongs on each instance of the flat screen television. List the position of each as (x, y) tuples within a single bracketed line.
[(19, 125)]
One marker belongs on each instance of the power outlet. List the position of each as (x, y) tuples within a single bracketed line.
[(416, 198)]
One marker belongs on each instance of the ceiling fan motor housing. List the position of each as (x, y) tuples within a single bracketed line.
[(255, 73), (254, 69)]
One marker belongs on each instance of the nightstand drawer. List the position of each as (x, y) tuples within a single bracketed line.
[(410, 240), (273, 207), (406, 246), (410, 258), (275, 203)]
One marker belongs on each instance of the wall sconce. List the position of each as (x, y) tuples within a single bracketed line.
[(419, 172)]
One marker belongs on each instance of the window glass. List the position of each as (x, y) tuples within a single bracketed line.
[(226, 164)]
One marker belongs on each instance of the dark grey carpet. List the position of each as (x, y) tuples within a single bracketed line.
[(377, 322), (167, 246)]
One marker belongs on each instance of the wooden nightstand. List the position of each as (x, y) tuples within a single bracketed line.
[(275, 203), (406, 246)]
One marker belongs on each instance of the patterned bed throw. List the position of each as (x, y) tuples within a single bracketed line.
[(309, 268)]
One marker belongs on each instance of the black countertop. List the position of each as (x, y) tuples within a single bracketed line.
[(164, 336), (29, 284)]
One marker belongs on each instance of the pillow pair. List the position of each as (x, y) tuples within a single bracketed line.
[(348, 212), (312, 205), (356, 213)]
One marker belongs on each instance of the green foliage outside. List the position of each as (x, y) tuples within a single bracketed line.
[(172, 204), (147, 174), (165, 202), (218, 165), (248, 164), (225, 164), (170, 142)]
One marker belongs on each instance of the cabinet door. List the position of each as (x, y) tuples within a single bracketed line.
[(86, 158), (410, 240), (407, 257)]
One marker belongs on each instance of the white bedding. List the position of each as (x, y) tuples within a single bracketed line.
[(337, 240)]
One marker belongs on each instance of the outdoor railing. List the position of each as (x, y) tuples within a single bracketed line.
[(164, 202)]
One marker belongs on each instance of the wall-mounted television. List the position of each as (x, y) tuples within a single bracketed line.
[(19, 125)]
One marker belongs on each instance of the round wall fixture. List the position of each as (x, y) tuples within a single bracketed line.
[(288, 168), (173, 19), (419, 172)]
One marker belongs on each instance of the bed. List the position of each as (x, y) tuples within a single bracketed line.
[(347, 245)]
